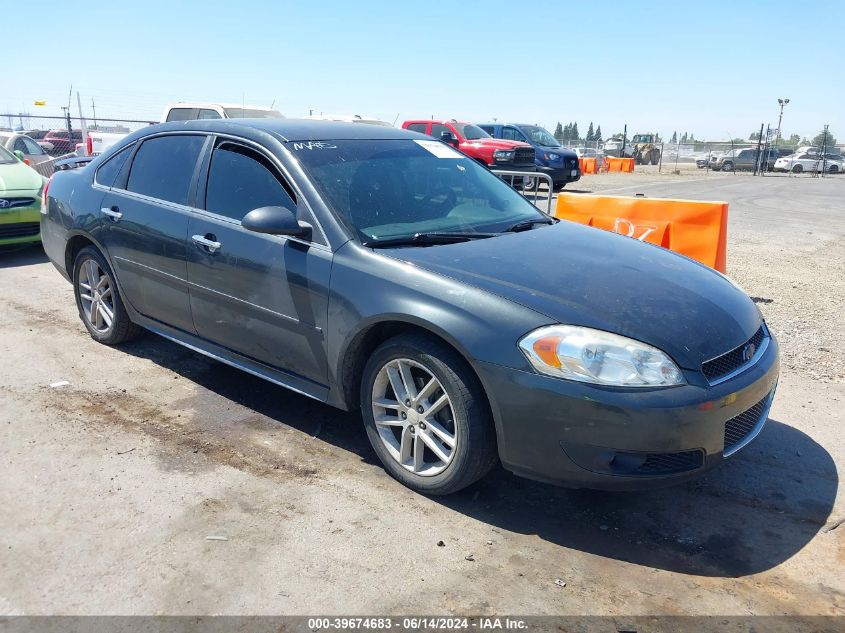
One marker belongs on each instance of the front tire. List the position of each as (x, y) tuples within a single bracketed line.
[(426, 415), (98, 299), (797, 169), (729, 166)]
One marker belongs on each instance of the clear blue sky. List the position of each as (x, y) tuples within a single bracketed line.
[(711, 68)]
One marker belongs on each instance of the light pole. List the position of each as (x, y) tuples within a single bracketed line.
[(782, 103)]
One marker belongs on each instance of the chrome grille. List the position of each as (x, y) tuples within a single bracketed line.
[(723, 365)]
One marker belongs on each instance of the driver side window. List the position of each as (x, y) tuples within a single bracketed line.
[(241, 179)]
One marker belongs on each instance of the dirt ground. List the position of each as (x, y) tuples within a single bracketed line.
[(119, 488)]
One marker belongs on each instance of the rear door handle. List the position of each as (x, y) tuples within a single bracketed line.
[(206, 241), (112, 212)]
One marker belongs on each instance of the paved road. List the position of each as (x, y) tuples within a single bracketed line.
[(113, 483)]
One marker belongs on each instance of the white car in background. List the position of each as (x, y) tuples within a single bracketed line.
[(588, 152), (801, 162)]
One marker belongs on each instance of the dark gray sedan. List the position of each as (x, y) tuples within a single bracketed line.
[(375, 268)]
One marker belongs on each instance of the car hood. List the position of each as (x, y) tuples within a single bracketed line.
[(561, 151), (19, 177), (580, 275), (497, 143)]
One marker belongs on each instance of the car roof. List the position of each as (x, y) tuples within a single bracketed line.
[(292, 129)]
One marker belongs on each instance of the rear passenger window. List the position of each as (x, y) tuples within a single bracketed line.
[(240, 180), (511, 134), (164, 165), (109, 170), (417, 127)]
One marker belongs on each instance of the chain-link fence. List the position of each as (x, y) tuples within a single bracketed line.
[(41, 140), (766, 155)]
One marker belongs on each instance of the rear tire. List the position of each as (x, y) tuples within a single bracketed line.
[(833, 169), (432, 453), (98, 299)]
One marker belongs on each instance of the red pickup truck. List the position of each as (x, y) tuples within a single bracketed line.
[(478, 144)]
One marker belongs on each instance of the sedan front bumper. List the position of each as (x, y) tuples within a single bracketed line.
[(561, 175), (586, 436), (20, 224)]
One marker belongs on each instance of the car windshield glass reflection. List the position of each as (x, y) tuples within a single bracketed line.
[(541, 136), (6, 157), (391, 189)]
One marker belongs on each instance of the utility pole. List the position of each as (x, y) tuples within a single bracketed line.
[(824, 151), (624, 139), (94, 110), (759, 155), (782, 103)]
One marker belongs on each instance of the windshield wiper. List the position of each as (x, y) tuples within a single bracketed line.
[(436, 237), (524, 225)]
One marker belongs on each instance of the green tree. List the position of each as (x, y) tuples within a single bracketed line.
[(684, 138), (558, 131), (674, 138), (575, 135), (597, 135), (821, 139), (755, 136), (794, 139), (590, 133)]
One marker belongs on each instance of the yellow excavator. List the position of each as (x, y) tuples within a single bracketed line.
[(644, 148)]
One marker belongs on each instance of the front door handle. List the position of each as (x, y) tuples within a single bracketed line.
[(207, 241), (112, 212)]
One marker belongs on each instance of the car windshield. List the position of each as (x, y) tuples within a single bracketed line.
[(6, 157), (470, 131), (390, 189), (540, 135), (247, 113)]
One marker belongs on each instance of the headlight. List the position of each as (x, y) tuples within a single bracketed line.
[(587, 355), (503, 154), (554, 156)]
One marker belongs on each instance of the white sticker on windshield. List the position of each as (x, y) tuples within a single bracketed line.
[(441, 150)]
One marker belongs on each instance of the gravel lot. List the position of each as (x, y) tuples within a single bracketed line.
[(113, 483)]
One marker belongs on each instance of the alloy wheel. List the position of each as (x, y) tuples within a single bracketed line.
[(414, 417), (96, 293)]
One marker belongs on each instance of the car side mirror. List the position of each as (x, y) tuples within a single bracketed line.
[(449, 138), (19, 155), (276, 221)]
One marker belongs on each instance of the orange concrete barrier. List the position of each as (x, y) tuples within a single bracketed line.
[(691, 227), (588, 165), (612, 163)]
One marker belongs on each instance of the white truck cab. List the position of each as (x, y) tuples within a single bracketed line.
[(194, 111)]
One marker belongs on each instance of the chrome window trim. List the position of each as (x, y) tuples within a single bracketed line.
[(300, 197)]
